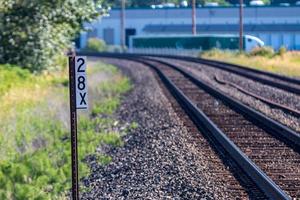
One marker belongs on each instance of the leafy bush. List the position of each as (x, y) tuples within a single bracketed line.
[(33, 32), (215, 52), (96, 45), (282, 51), (264, 51), (114, 48)]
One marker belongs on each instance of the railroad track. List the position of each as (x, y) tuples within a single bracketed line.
[(267, 151), (283, 103), (278, 160), (278, 81), (271, 103)]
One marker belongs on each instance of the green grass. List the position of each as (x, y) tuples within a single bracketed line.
[(134, 125), (34, 130), (287, 64), (12, 76), (107, 106)]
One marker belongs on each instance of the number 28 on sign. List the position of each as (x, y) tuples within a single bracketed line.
[(81, 82)]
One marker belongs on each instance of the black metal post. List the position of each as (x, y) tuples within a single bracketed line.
[(73, 123)]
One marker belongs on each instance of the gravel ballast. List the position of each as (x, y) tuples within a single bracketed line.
[(162, 158)]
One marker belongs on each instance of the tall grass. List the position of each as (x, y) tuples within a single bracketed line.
[(34, 129), (282, 63)]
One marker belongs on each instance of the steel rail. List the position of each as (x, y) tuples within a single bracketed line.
[(266, 184), (243, 71), (292, 80), (233, 68), (290, 137), (292, 111), (287, 135)]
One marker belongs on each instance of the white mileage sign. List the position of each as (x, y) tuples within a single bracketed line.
[(81, 82)]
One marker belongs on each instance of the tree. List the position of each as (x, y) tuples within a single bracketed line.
[(33, 32)]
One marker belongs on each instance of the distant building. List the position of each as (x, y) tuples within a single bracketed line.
[(276, 26)]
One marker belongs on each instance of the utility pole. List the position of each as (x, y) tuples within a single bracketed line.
[(241, 25), (122, 31), (194, 31)]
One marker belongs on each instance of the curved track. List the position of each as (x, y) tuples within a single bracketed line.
[(287, 109), (280, 162), (273, 98), (279, 81), (264, 149)]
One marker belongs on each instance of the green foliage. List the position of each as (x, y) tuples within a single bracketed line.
[(286, 65), (262, 51), (104, 159), (268, 2), (34, 32), (111, 91), (40, 174), (36, 162), (113, 139), (134, 125), (282, 51), (96, 45), (117, 86), (215, 52), (12, 76), (115, 48), (106, 107)]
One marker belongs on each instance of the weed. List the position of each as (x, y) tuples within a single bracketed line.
[(34, 135), (134, 125), (113, 139), (263, 51), (286, 65), (95, 45), (282, 51), (104, 159), (107, 106)]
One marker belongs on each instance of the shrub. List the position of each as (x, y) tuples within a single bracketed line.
[(50, 28), (114, 48), (281, 51), (96, 45), (262, 51)]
